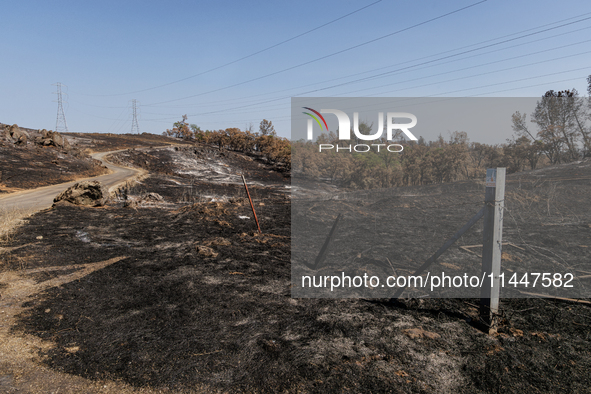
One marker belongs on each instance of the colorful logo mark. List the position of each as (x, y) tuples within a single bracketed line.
[(315, 118)]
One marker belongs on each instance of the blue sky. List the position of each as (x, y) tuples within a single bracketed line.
[(110, 52)]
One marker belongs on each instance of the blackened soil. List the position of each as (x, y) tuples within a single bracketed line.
[(43, 276), (102, 142), (31, 166), (546, 229), (202, 298)]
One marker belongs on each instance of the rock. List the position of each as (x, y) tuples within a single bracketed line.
[(414, 333), (15, 135), (206, 251), (58, 140), (89, 193), (238, 201), (62, 203), (54, 138), (131, 201), (150, 198)]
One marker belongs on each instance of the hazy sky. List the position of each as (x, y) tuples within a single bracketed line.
[(110, 52)]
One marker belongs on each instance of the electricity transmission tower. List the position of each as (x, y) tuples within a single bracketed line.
[(60, 123), (135, 127)]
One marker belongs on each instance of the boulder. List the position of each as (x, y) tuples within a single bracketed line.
[(59, 140), (152, 197), (89, 193), (15, 135), (54, 138), (145, 199), (206, 251)]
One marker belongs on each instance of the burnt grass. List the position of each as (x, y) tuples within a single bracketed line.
[(202, 299), (102, 142), (31, 166), (201, 162)]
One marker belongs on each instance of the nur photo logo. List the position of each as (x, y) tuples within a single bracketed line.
[(344, 129)]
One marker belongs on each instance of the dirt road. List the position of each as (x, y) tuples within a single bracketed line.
[(40, 198)]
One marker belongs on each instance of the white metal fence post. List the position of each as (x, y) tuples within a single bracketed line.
[(492, 245)]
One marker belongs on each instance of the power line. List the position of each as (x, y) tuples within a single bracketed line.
[(455, 91), (424, 57), (326, 56), (474, 75), (245, 57), (249, 98), (496, 50), (522, 79), (433, 63), (284, 118), (430, 76), (445, 57), (115, 121), (60, 123), (405, 69), (389, 72)]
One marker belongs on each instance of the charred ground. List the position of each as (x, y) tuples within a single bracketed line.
[(103, 142), (30, 165), (197, 298)]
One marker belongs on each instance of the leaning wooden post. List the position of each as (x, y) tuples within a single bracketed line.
[(251, 204), (492, 245)]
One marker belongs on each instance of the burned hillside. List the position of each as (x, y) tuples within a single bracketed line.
[(34, 158)]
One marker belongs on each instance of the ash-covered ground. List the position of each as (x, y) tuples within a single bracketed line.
[(103, 142), (546, 229), (31, 165), (196, 298)]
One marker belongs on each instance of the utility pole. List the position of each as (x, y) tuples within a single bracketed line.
[(60, 123), (135, 127)]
